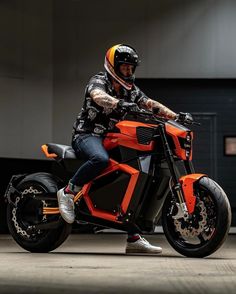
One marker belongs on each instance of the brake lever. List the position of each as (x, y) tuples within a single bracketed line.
[(196, 123), (189, 123)]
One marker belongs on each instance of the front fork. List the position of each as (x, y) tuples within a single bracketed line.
[(182, 186)]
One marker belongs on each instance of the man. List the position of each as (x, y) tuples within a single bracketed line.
[(106, 93)]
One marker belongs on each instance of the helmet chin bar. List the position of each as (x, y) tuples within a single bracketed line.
[(110, 70)]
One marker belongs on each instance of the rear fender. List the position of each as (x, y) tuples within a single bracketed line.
[(12, 191), (11, 188), (187, 183)]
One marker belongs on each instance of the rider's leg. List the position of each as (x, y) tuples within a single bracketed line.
[(90, 148)]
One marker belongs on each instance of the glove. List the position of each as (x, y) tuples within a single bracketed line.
[(184, 117), (123, 105)]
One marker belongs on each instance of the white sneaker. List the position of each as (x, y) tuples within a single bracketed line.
[(142, 246), (66, 206)]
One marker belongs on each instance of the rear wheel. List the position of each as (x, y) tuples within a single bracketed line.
[(27, 213), (206, 229)]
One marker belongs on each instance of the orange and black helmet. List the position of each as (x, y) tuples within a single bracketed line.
[(117, 55)]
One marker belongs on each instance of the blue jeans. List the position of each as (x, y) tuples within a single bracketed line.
[(89, 148)]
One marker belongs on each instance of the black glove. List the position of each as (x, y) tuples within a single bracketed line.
[(123, 105), (184, 117)]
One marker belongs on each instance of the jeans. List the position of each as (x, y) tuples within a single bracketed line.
[(90, 148)]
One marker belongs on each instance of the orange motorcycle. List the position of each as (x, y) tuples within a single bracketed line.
[(150, 177)]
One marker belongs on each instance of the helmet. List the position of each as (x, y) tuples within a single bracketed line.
[(117, 55)]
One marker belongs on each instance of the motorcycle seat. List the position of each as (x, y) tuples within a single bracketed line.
[(62, 151)]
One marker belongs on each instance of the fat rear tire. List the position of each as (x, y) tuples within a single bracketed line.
[(222, 223), (25, 213)]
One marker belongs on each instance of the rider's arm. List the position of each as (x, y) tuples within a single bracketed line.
[(145, 102), (159, 109), (163, 110), (103, 99)]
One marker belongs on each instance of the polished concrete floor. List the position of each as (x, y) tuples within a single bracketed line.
[(97, 264)]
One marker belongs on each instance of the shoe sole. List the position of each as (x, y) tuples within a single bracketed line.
[(135, 251)]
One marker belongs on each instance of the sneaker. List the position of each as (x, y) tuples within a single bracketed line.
[(66, 205), (142, 246)]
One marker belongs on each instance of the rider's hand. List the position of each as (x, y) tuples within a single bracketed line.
[(184, 117), (123, 105)]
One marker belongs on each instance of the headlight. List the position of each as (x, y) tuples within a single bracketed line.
[(186, 144)]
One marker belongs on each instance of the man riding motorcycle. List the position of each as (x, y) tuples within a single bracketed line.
[(106, 97)]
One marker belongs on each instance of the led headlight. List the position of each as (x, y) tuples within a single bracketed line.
[(188, 145)]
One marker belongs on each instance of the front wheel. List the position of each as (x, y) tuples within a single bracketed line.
[(206, 229)]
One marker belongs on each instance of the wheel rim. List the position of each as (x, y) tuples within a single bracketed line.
[(199, 229)]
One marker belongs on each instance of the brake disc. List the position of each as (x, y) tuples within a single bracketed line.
[(190, 231)]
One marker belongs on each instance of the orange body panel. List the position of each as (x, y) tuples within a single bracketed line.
[(175, 133), (127, 136), (187, 186), (110, 142), (45, 151)]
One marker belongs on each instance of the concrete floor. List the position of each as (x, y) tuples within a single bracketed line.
[(97, 264)]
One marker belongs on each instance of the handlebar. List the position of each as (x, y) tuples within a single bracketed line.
[(133, 109)]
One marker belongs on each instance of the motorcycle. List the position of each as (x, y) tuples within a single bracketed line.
[(150, 178)]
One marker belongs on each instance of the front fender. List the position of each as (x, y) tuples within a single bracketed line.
[(187, 188)]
